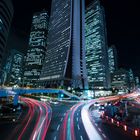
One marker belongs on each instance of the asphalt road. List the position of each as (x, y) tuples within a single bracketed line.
[(32, 124), (80, 133), (58, 113), (7, 128), (110, 131), (39, 121)]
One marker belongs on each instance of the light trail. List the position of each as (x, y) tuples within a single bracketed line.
[(43, 112), (90, 129)]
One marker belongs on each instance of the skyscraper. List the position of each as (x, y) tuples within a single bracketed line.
[(37, 48), (13, 68), (65, 57), (96, 46), (120, 80), (6, 14), (131, 79), (137, 81), (112, 58)]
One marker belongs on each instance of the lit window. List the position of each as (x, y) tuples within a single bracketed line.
[(1, 24)]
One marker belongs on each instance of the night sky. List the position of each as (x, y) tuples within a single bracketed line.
[(123, 27)]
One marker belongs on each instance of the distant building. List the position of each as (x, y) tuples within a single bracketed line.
[(120, 80), (96, 46), (131, 80), (37, 48), (137, 81), (6, 14), (112, 57), (65, 57), (13, 68)]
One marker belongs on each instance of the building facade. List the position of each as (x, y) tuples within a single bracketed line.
[(120, 80), (37, 48), (6, 14), (96, 46), (131, 79), (13, 68), (65, 57), (112, 58), (137, 81)]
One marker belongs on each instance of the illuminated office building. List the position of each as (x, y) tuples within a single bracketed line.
[(37, 48), (96, 47), (137, 81), (120, 80), (112, 58), (65, 57), (131, 79), (6, 14), (13, 68)]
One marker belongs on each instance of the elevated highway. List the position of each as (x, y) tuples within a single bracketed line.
[(21, 91)]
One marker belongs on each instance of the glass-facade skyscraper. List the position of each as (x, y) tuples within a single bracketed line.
[(37, 48), (137, 81), (65, 56), (13, 68), (112, 57), (120, 80), (96, 46), (131, 79), (6, 15)]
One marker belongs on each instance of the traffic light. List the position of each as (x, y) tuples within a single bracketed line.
[(62, 95)]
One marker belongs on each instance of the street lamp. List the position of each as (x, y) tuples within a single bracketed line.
[(19, 79)]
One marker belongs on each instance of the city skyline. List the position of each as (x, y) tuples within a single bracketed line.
[(68, 70), (121, 32), (97, 68)]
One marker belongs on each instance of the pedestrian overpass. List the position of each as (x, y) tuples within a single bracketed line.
[(22, 91)]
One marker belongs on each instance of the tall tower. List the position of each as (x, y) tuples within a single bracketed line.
[(37, 48), (96, 46), (13, 68), (65, 56), (112, 57), (131, 79), (6, 14)]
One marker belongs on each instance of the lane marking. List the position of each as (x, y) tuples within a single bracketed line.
[(81, 138), (104, 135), (64, 114), (93, 121), (90, 129), (96, 124), (61, 119), (99, 129), (77, 119), (77, 114), (78, 127), (55, 138), (58, 127)]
